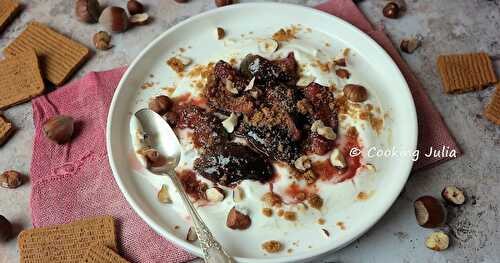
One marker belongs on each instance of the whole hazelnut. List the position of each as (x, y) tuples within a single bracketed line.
[(5, 229), (429, 212), (161, 104), (453, 195), (135, 7), (10, 179), (101, 40), (114, 19), (87, 10), (391, 10), (220, 3), (59, 128), (355, 93)]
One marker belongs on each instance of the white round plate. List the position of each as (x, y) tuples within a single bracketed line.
[(303, 239)]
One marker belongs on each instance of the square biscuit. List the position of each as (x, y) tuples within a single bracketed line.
[(465, 72), (21, 79), (8, 10), (59, 55), (492, 111), (6, 130), (66, 243)]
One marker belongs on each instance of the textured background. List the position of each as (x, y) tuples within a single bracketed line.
[(448, 26)]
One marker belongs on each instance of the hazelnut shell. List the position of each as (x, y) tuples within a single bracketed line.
[(87, 10), (10, 179), (114, 19), (429, 212), (59, 129), (453, 195), (5, 229), (135, 7)]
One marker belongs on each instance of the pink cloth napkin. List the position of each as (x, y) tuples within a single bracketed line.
[(74, 180)]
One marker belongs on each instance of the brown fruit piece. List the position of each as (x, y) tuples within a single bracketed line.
[(453, 195), (59, 128), (161, 104), (114, 19), (391, 10), (220, 3), (272, 200), (135, 7), (238, 220), (355, 93), (87, 10), (438, 241), (429, 212), (10, 179), (102, 40), (5, 229)]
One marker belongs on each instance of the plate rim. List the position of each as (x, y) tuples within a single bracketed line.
[(289, 258)]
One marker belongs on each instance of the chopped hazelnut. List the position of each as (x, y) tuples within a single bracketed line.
[(290, 215), (191, 235), (164, 196), (453, 195), (267, 212), (315, 201), (271, 199), (337, 159), (272, 246), (342, 73), (302, 163), (10, 179), (437, 241), (214, 194), (309, 176), (220, 33)]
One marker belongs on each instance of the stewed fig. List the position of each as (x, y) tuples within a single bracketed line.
[(430, 212)]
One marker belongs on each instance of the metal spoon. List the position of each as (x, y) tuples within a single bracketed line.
[(162, 138)]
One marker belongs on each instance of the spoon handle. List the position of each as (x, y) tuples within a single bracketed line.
[(212, 250)]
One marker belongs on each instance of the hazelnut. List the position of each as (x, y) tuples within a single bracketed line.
[(438, 241), (453, 195), (337, 159), (409, 45), (230, 123), (10, 179), (59, 128), (391, 10), (238, 194), (154, 158), (114, 19), (139, 19), (101, 40), (342, 73), (5, 229), (87, 10), (272, 246), (161, 104), (303, 163), (191, 235), (429, 212), (271, 199), (214, 194), (135, 7), (341, 62), (220, 3), (315, 201), (220, 33), (355, 93), (164, 195), (238, 220)]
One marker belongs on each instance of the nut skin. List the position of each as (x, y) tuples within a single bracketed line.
[(453, 195), (135, 7), (220, 3), (355, 93), (391, 10), (429, 212), (101, 40), (11, 179), (5, 229), (237, 220), (114, 19), (87, 11), (59, 128), (161, 104)]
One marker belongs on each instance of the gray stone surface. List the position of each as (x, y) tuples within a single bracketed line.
[(448, 26)]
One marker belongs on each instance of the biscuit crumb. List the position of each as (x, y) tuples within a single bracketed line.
[(272, 246)]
